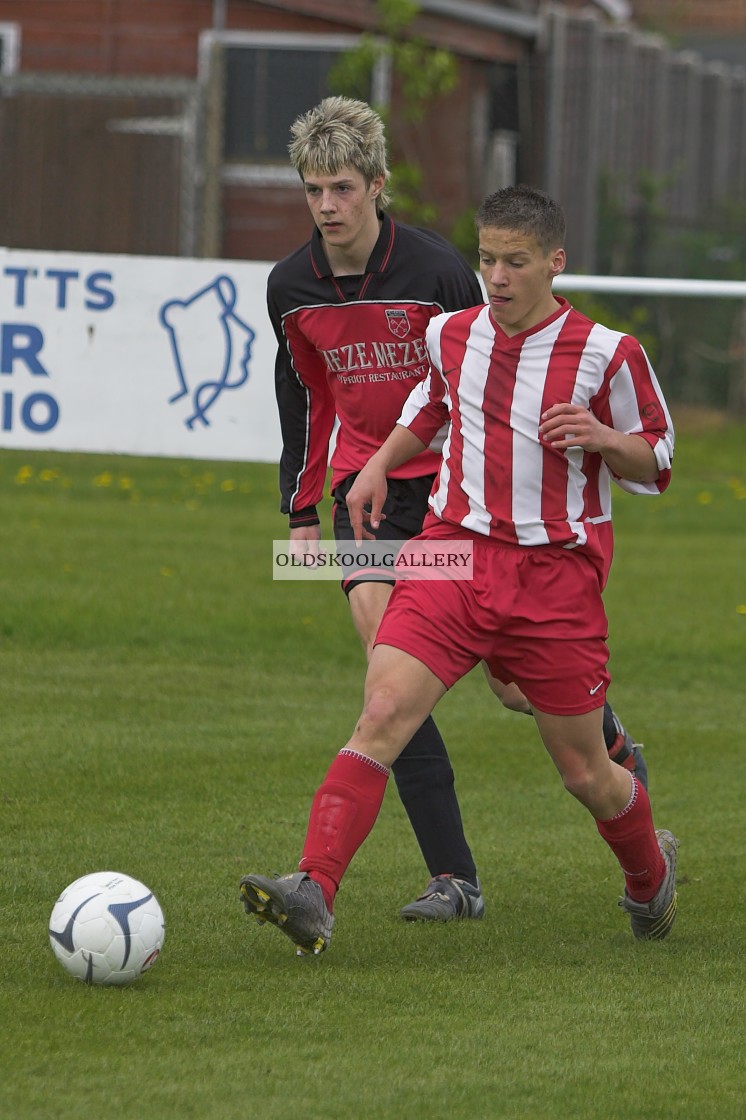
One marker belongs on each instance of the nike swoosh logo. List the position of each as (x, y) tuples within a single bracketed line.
[(593, 691)]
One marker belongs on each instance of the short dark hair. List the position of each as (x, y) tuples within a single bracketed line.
[(527, 209)]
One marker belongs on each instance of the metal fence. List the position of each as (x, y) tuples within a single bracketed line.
[(664, 130), (99, 164)]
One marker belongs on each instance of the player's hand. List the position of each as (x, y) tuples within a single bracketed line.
[(627, 455), (365, 501), (571, 425), (304, 541)]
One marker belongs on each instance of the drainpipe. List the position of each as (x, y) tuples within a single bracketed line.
[(219, 10)]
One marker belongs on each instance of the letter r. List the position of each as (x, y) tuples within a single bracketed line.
[(26, 351)]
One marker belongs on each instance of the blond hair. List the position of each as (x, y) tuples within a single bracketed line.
[(340, 132)]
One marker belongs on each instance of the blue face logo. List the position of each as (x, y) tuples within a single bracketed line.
[(207, 320)]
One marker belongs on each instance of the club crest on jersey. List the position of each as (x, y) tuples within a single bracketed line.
[(398, 322)]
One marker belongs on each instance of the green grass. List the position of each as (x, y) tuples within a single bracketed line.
[(167, 710)]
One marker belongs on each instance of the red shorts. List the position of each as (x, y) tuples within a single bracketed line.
[(535, 615)]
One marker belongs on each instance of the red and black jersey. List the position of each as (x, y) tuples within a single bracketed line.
[(353, 347)]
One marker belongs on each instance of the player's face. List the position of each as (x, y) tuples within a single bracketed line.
[(344, 206), (518, 276)]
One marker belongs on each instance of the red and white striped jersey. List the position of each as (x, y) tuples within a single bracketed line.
[(497, 478)]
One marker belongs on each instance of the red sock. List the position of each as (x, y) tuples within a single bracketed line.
[(631, 837), (343, 812)]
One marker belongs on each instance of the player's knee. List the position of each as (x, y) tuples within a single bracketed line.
[(580, 780), (383, 711)]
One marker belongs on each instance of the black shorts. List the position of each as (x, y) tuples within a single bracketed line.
[(405, 508)]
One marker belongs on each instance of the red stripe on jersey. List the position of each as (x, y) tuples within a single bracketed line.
[(498, 434), (559, 388), (389, 250), (649, 403), (591, 497)]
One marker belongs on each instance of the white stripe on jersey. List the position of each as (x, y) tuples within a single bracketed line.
[(471, 388), (528, 453)]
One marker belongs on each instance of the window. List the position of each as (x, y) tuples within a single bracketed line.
[(10, 47), (268, 79), (502, 148)]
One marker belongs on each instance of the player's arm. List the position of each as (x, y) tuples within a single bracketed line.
[(368, 492), (306, 422), (306, 412), (628, 456), (631, 430)]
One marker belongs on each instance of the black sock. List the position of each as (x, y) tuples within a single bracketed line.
[(424, 779), (612, 727), (615, 737)]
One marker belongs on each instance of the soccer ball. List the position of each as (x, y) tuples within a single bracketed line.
[(106, 928)]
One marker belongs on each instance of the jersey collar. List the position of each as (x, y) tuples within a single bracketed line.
[(377, 261)]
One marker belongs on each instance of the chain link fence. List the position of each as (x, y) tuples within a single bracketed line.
[(97, 164)]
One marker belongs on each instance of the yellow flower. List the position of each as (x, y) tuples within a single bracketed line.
[(704, 497), (24, 474)]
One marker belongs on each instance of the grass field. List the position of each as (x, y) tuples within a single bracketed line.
[(167, 710)]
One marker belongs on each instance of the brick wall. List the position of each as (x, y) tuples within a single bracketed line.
[(124, 37), (159, 38)]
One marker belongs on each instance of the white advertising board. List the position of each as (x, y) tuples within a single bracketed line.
[(136, 355)]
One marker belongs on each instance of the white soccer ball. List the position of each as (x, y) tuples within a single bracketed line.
[(106, 928)]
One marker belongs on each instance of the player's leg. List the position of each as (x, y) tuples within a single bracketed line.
[(400, 692), (509, 695), (423, 772), (621, 808), (554, 648), (620, 745), (425, 784)]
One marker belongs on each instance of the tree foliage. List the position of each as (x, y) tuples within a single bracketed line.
[(422, 73)]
